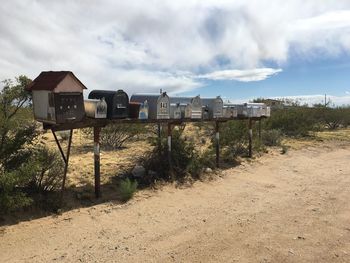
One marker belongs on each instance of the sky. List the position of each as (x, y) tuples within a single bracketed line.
[(237, 49)]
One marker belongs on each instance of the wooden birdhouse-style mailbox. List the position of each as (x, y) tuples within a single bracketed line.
[(57, 97), (158, 105), (117, 102)]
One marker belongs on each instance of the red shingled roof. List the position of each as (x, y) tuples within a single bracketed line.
[(48, 80)]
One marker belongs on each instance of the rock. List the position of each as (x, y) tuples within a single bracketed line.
[(138, 171), (208, 170)]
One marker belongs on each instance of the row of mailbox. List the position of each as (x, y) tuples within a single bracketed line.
[(58, 98), (116, 105)]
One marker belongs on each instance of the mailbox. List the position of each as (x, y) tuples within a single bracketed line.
[(57, 97), (158, 104), (117, 102), (96, 109)]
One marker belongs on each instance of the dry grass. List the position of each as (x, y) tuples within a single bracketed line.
[(113, 163), (81, 162)]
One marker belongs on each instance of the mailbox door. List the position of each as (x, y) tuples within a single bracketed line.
[(69, 107)]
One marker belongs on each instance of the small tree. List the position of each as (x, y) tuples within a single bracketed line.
[(17, 128), (17, 131)]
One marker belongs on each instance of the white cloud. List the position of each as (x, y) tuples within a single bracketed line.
[(310, 100), (145, 45), (242, 75)]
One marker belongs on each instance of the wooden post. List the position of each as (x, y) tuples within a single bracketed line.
[(97, 161), (250, 138), (66, 163), (169, 146), (59, 147), (159, 140), (217, 144), (260, 130)]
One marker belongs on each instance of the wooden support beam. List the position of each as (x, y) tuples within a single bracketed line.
[(66, 164), (250, 154), (159, 140), (97, 131), (217, 144), (59, 146), (169, 146)]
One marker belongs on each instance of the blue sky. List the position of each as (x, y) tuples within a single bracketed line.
[(329, 75), (234, 48)]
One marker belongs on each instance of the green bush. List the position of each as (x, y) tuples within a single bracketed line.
[(271, 137), (49, 170), (234, 140), (186, 160), (126, 189), (12, 193), (293, 121)]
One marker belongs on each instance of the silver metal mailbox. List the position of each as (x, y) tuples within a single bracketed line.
[(215, 106), (192, 106), (158, 104), (242, 110), (229, 111), (96, 109), (258, 110), (143, 112), (176, 111)]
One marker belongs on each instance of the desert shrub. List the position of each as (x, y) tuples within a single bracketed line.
[(12, 194), (271, 137), (64, 135), (293, 121), (234, 140), (334, 118), (17, 132), (49, 168), (186, 160), (114, 136), (126, 189)]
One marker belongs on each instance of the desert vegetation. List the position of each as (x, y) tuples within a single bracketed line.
[(31, 169)]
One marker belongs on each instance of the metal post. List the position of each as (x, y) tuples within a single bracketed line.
[(217, 144), (169, 146), (66, 164), (250, 138), (97, 161)]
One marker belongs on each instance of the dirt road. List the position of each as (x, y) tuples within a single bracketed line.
[(281, 208)]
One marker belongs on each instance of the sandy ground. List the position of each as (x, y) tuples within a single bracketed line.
[(279, 208)]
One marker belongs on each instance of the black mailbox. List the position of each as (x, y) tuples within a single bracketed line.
[(117, 102)]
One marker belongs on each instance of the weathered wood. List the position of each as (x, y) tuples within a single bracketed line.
[(250, 138), (97, 173), (259, 130), (89, 122), (217, 144), (169, 146), (59, 147), (66, 164)]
